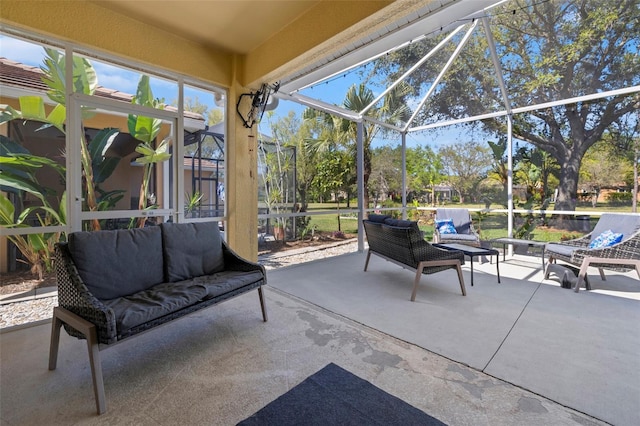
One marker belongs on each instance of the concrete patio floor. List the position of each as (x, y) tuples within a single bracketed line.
[(524, 351)]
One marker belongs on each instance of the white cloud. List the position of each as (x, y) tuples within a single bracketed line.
[(21, 51), (109, 76)]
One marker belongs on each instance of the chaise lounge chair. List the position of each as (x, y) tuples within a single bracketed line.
[(461, 231), (589, 250)]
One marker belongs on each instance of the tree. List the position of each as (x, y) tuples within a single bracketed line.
[(499, 170), (551, 50), (425, 169), (343, 131), (602, 167), (386, 173), (465, 164), (333, 174), (293, 133), (625, 136)]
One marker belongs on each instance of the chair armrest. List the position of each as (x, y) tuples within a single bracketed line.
[(74, 296), (626, 249), (423, 250), (234, 262)]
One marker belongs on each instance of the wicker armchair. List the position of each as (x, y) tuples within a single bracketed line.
[(623, 256), (466, 234), (402, 243)]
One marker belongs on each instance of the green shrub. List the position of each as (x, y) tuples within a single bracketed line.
[(619, 197)]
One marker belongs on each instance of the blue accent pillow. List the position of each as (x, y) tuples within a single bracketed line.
[(445, 226), (606, 239)]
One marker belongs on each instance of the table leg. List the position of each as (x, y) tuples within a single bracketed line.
[(498, 266), (471, 257)]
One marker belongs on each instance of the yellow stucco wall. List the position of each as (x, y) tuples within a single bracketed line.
[(90, 25)]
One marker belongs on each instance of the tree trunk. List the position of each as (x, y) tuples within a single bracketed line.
[(568, 188)]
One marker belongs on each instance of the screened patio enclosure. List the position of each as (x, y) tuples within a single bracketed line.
[(526, 70), (453, 62)]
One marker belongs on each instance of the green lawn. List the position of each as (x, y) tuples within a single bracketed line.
[(490, 226)]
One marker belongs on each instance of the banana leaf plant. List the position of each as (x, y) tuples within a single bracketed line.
[(96, 167), (37, 249), (146, 129), (18, 176)]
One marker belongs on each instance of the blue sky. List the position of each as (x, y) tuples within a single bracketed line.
[(126, 81)]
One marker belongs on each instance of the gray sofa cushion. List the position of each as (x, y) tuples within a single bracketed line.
[(118, 263), (155, 302), (191, 250), (226, 281)]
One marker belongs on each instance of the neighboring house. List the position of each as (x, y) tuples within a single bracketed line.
[(205, 175)]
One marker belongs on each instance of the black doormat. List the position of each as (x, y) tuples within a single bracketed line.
[(334, 396)]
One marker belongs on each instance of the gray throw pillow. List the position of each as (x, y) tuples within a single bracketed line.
[(118, 263), (191, 250), (402, 223), (378, 218)]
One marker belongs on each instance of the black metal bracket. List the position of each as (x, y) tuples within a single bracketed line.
[(259, 100)]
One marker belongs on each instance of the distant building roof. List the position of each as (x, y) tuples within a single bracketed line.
[(16, 74)]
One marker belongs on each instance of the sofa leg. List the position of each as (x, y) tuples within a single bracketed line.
[(61, 315), (96, 371), (366, 262), (426, 264), (416, 281), (56, 325), (461, 279), (263, 305)]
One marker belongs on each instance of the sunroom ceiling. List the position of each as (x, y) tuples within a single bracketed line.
[(238, 26)]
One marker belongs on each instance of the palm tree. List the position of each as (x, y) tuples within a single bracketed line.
[(340, 131)]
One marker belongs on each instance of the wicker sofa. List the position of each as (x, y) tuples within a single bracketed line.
[(622, 256), (402, 242), (113, 285)]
